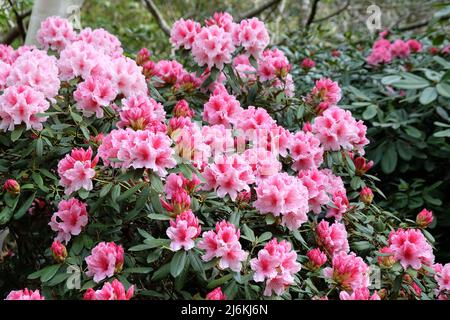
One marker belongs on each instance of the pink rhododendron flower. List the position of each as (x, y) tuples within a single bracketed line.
[(59, 251), (6, 53), (414, 45), (22, 104), (169, 71), (255, 123), (332, 238), (110, 291), (263, 162), (316, 258), (142, 113), (307, 64), (277, 264), (70, 218), (223, 20), (381, 53), (38, 70), (400, 49), (349, 271), (5, 69), (183, 230), (178, 183), (253, 36), (143, 56), (336, 128), (359, 294), (243, 66), (223, 243), (442, 277), (102, 41), (76, 170), (339, 207), (25, 294), (55, 33), (305, 151), (283, 195), (424, 218), (180, 202), (222, 108), (128, 77), (12, 187), (273, 63), (182, 109), (213, 47), (106, 258), (228, 175), (216, 294), (183, 33), (218, 138), (387, 259), (93, 94), (366, 195), (138, 149), (325, 94), (411, 248)]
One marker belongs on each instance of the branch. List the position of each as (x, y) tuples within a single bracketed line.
[(312, 14), (19, 20), (421, 24), (157, 15), (256, 11), (15, 32), (339, 11)]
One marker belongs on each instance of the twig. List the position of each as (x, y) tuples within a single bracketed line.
[(256, 11), (159, 18), (333, 13), (19, 20), (15, 31), (312, 14), (421, 24)]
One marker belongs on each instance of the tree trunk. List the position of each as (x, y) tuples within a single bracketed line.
[(43, 9)]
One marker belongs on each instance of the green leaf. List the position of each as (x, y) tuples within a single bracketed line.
[(196, 263), (156, 183), (105, 190), (413, 132), (443, 89), (248, 233), (141, 247), (156, 243), (49, 272), (177, 263), (265, 236), (17, 133), (76, 117), (388, 80), (442, 134), (5, 215), (428, 95), (218, 282), (162, 272), (389, 160), (39, 147), (411, 83), (24, 207), (115, 193), (155, 216), (370, 112)]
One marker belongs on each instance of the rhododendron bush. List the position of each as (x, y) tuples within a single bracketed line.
[(205, 177)]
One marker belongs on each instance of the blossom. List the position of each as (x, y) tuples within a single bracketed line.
[(276, 263), (284, 195), (76, 170), (7, 54), (11, 186), (183, 230), (349, 271), (316, 182), (93, 94), (414, 45), (183, 33), (38, 70), (424, 218), (178, 183), (143, 56), (264, 163), (359, 294), (128, 77), (253, 36), (25, 294), (169, 71), (216, 294), (223, 20), (110, 291), (70, 218), (386, 259), (228, 175), (55, 33), (325, 94), (218, 138), (339, 206), (332, 238), (102, 41), (273, 63), (305, 151), (366, 195), (223, 243), (307, 64), (222, 108), (336, 128), (213, 47), (400, 49), (22, 104), (142, 113), (59, 251), (5, 69), (106, 258), (138, 149), (381, 53), (442, 277), (411, 248), (361, 164), (316, 258), (182, 109)]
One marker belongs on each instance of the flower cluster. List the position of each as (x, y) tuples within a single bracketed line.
[(142, 113), (25, 294), (183, 230), (325, 94), (383, 51), (110, 291), (223, 243), (55, 33), (70, 218), (277, 264), (332, 238), (106, 259)]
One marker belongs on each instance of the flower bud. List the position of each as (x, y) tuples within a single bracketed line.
[(366, 195), (12, 187), (182, 109), (386, 260), (307, 64), (216, 294), (59, 251), (424, 218), (316, 258)]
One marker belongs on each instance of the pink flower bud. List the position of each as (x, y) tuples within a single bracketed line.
[(182, 109), (11, 186), (316, 258), (362, 166), (59, 251), (366, 195), (424, 218), (216, 294), (142, 56), (307, 64), (387, 259), (335, 53)]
